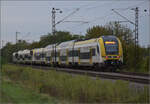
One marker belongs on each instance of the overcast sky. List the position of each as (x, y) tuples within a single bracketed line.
[(33, 18)]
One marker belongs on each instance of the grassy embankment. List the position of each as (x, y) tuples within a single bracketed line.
[(16, 94), (75, 89)]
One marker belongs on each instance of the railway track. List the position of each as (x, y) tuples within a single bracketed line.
[(133, 77)]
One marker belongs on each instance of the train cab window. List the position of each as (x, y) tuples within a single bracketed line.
[(111, 45)]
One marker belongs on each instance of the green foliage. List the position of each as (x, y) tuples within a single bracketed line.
[(132, 63), (112, 28), (10, 48), (76, 89), (60, 36), (16, 94), (45, 40), (97, 31)]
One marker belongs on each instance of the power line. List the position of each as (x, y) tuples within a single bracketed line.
[(123, 17), (99, 5), (98, 18), (77, 21), (129, 7), (67, 16)]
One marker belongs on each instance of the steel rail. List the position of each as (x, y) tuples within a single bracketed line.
[(127, 76)]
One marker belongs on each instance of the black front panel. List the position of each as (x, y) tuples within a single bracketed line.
[(111, 45)]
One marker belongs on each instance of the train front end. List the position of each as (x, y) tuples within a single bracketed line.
[(111, 50)]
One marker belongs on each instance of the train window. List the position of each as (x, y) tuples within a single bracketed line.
[(70, 53), (31, 52), (93, 52), (53, 54), (63, 58), (76, 53), (57, 54), (97, 49), (29, 57), (43, 55), (85, 55), (37, 56), (21, 56), (73, 53), (26, 56), (48, 58), (16, 55)]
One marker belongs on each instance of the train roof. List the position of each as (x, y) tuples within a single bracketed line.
[(38, 49), (109, 36), (86, 41), (50, 46), (66, 44)]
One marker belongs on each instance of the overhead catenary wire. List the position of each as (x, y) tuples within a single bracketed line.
[(77, 9), (129, 7), (96, 19), (67, 16), (123, 17)]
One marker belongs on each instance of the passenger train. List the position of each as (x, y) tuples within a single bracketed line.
[(98, 52)]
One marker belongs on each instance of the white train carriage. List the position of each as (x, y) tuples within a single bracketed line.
[(20, 57), (39, 56), (89, 53), (49, 50), (15, 57), (98, 52), (63, 52), (27, 56)]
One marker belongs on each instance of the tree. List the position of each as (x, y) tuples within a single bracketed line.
[(125, 34), (97, 31), (60, 36), (9, 48)]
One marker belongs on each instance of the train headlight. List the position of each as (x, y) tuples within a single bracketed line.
[(118, 56), (106, 57)]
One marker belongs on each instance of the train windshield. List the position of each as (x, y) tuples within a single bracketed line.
[(111, 45)]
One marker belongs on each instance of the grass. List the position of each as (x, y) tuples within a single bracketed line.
[(16, 94), (77, 89)]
